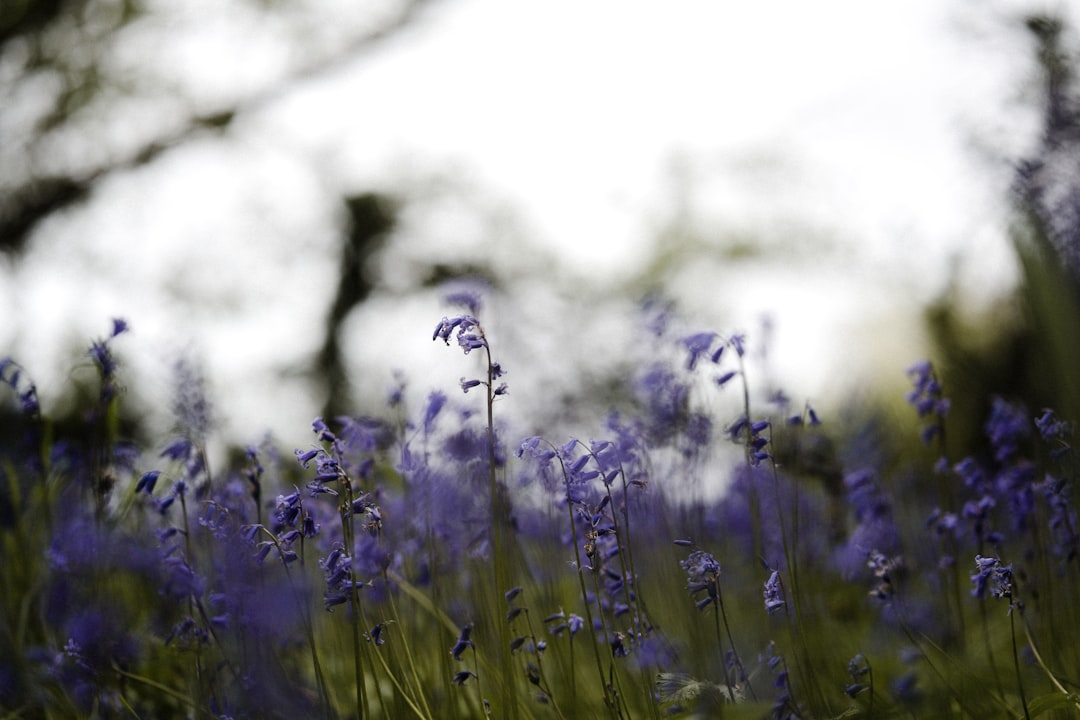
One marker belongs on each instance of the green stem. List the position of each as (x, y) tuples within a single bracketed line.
[(348, 533), (608, 701), (1016, 664)]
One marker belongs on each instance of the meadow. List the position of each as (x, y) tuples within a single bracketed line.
[(433, 562)]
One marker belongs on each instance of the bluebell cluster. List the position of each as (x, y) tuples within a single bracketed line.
[(411, 565)]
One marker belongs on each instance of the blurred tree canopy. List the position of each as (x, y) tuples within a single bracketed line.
[(90, 88), (1048, 187), (1030, 355)]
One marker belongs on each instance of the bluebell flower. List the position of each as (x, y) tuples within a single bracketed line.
[(466, 445), (468, 298), (466, 329), (1063, 520), (12, 375), (147, 481), (858, 669), (436, 402), (883, 567), (619, 648), (774, 593), (971, 473), (736, 428), (119, 326), (724, 378), (536, 448), (757, 443), (697, 345), (101, 354), (181, 581), (179, 449), (332, 599), (304, 457), (783, 708), (928, 399), (559, 623), (464, 642), (978, 513), (1006, 427), (992, 576), (1050, 427), (364, 435), (703, 575), (461, 676), (664, 397)]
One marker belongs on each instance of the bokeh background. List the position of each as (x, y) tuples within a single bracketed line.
[(280, 192)]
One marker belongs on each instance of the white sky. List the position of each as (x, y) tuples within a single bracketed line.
[(866, 144)]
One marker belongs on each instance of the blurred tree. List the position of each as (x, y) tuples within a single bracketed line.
[(1030, 355), (371, 218), (1048, 188), (90, 88), (1048, 183)]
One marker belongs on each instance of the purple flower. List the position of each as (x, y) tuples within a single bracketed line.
[(1006, 427), (146, 482), (469, 334), (927, 397), (304, 457), (758, 442), (991, 575), (703, 575), (464, 642), (698, 345), (726, 378), (1063, 520), (883, 568), (436, 402), (119, 326), (12, 375), (774, 593), (858, 668), (467, 298), (179, 449), (665, 400), (1053, 430), (461, 676)]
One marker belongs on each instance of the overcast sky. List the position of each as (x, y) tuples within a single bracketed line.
[(866, 146)]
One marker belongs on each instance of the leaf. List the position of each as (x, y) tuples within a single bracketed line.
[(1051, 701)]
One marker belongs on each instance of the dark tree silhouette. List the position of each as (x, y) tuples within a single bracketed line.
[(371, 218), (60, 83)]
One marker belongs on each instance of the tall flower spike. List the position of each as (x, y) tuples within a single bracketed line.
[(928, 399)]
